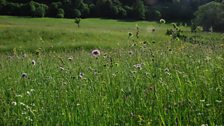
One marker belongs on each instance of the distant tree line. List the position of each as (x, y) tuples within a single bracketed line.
[(119, 9), (122, 9)]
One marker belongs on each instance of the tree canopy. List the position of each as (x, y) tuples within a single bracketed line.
[(122, 9)]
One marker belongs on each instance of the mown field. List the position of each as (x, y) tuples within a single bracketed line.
[(48, 75)]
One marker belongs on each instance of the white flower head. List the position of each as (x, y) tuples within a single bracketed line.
[(81, 75), (138, 66), (24, 75), (162, 21), (70, 58), (61, 68), (14, 103), (95, 53), (33, 62)]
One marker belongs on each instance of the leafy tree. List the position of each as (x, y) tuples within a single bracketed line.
[(210, 15), (139, 10), (76, 13), (41, 10), (60, 13)]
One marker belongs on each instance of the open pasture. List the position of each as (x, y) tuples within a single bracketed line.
[(48, 75)]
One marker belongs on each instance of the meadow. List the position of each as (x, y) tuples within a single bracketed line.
[(48, 75)]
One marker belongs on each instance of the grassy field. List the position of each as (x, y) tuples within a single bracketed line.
[(49, 76)]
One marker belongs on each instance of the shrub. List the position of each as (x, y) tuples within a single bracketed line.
[(210, 15)]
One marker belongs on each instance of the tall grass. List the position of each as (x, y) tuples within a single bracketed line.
[(154, 82)]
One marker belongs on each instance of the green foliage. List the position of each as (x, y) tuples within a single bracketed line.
[(76, 13), (60, 13), (123, 9), (37, 10), (77, 21), (210, 15), (148, 81), (176, 33), (139, 10)]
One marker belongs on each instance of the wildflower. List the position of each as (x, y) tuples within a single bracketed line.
[(21, 103), (129, 34), (24, 75), (81, 75), (167, 71), (70, 58), (61, 68), (153, 30), (78, 104), (96, 53), (130, 52), (14, 103), (34, 62), (138, 66), (162, 21)]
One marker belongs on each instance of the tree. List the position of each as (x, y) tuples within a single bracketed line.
[(139, 10), (210, 15)]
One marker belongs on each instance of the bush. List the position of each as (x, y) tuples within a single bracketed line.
[(210, 15)]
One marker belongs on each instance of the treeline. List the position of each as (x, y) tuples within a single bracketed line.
[(122, 9)]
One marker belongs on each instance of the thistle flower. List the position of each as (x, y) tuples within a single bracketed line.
[(81, 75), (130, 52), (162, 21), (153, 30), (138, 66), (34, 62), (24, 75), (14, 103), (129, 34), (61, 68), (70, 58), (96, 53)]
